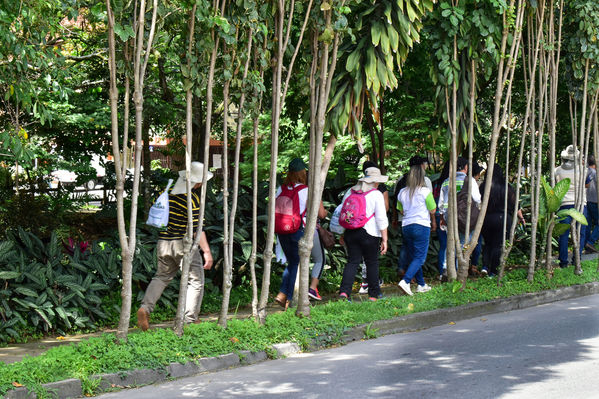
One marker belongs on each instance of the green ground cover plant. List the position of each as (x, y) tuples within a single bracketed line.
[(325, 327)]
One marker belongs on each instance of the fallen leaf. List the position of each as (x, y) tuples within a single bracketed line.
[(483, 319), (234, 340), (16, 384), (61, 338), (451, 323), (411, 307)]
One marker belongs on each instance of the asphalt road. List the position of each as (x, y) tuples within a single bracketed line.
[(549, 351)]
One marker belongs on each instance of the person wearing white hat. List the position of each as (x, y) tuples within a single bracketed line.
[(567, 170), (170, 250), (369, 240)]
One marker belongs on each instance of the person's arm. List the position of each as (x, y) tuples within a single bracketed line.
[(386, 198), (433, 220), (432, 207), (383, 241), (476, 197), (206, 249), (322, 212)]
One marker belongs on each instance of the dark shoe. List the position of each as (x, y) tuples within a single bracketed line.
[(313, 293), (376, 298), (344, 297), (143, 319), (281, 299), (590, 249)]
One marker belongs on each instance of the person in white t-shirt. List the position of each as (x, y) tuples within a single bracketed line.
[(417, 205)]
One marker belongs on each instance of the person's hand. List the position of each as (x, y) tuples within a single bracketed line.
[(383, 247), (341, 240), (433, 225), (208, 260)]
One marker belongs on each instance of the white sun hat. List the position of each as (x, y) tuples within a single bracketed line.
[(196, 175)]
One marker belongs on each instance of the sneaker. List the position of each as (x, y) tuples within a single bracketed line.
[(590, 249), (423, 288), (405, 287), (344, 297), (313, 293), (363, 288), (484, 271), (376, 298)]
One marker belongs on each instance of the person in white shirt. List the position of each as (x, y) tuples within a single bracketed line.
[(567, 170), (367, 241), (417, 205)]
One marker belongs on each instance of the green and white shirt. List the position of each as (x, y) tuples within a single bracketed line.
[(416, 210)]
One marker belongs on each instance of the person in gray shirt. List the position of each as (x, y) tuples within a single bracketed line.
[(592, 231)]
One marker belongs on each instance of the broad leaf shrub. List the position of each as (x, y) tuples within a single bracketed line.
[(159, 347)]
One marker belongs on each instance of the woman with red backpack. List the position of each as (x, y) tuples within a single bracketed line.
[(290, 213), (364, 217)]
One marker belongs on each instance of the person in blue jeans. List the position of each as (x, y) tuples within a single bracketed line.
[(417, 205), (592, 230), (567, 170)]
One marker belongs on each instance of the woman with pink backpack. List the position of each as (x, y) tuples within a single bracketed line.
[(364, 217)]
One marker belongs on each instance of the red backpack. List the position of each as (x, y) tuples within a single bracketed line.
[(353, 211), (288, 219)]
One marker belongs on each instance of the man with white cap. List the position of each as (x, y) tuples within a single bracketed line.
[(170, 250), (569, 169)]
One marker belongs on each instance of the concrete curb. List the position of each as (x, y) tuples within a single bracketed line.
[(72, 388), (423, 320)]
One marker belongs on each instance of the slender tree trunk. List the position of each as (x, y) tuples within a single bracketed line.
[(253, 255), (278, 101), (327, 70), (128, 243)]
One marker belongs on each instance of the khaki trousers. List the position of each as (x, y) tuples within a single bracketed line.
[(170, 260)]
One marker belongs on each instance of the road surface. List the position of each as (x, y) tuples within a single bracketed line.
[(549, 351)]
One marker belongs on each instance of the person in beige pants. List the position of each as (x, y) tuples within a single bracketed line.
[(170, 251)]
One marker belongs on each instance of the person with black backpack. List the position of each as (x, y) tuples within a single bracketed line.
[(461, 175), (290, 213)]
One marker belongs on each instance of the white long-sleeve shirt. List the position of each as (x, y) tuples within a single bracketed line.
[(375, 205)]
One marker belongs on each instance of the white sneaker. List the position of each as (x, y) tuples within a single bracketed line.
[(363, 288), (423, 288), (405, 287)]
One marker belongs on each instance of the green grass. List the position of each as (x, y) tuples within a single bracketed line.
[(157, 348)]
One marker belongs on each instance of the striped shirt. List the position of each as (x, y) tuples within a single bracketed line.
[(177, 216)]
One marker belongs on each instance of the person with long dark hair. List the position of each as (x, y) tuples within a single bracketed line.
[(492, 230)]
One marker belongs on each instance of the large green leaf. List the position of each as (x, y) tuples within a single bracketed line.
[(9, 275), (574, 214), (559, 229), (561, 189)]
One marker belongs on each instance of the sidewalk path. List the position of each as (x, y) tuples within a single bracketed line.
[(16, 352)]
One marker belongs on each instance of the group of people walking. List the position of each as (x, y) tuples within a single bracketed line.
[(419, 205)]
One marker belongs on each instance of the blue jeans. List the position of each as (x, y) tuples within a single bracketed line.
[(442, 236), (416, 242), (592, 230), (563, 239), (289, 243)]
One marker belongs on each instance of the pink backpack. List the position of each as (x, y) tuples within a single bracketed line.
[(353, 212), (288, 219)]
